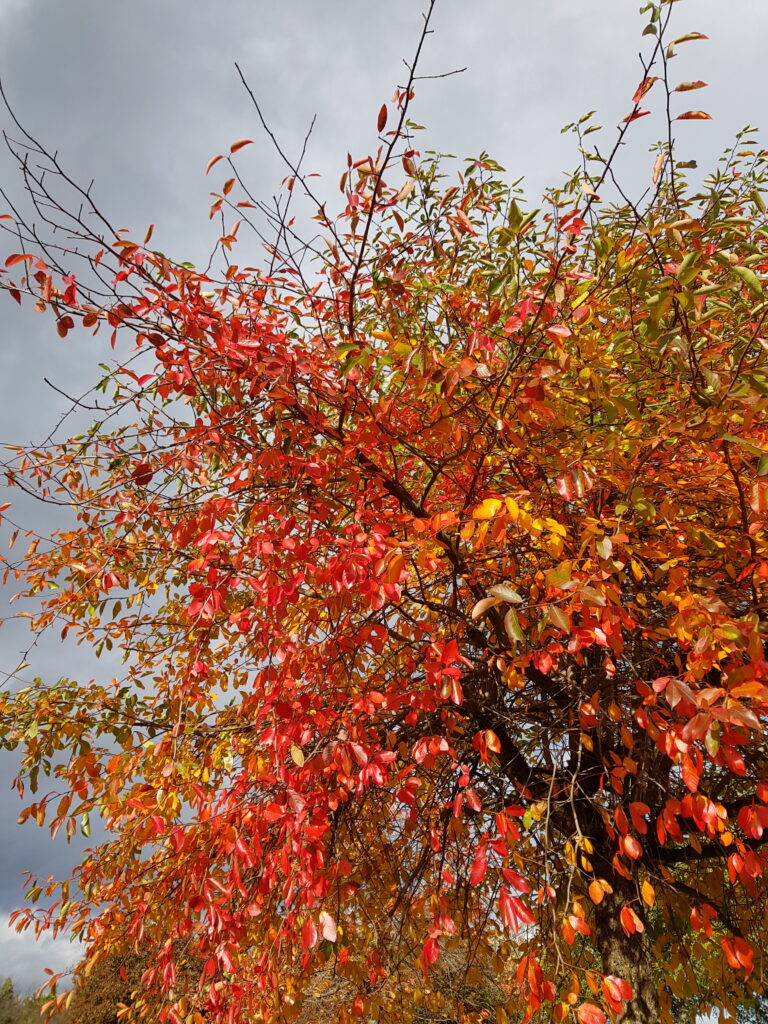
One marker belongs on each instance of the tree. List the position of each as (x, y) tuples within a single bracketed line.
[(15, 1009), (436, 553)]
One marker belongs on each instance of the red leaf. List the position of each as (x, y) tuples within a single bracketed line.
[(616, 988), (590, 1013), (382, 117), (18, 257), (308, 935), (239, 144), (694, 115), (472, 799), (479, 866), (212, 161), (630, 922), (429, 953)]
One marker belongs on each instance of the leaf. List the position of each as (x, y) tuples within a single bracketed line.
[(214, 160), (750, 279), (488, 509), (688, 37), (236, 146), (648, 893), (596, 892), (482, 606), (505, 593), (630, 922), (513, 628), (643, 88), (328, 927), (382, 118), (297, 755), (688, 86), (657, 166), (479, 866), (405, 190), (634, 115), (558, 617), (590, 1013), (18, 257), (492, 741), (694, 115)]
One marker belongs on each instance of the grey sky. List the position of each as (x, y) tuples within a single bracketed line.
[(140, 95)]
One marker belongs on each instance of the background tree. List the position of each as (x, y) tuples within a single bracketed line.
[(435, 549)]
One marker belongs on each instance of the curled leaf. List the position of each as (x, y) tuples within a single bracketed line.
[(688, 86)]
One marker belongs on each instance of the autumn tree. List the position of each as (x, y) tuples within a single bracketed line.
[(435, 551)]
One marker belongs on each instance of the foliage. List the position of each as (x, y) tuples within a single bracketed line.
[(103, 995), (436, 554), (15, 1009)]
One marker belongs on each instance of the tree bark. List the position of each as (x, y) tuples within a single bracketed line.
[(627, 956)]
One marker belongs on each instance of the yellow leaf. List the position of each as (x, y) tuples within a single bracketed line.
[(297, 754), (488, 509)]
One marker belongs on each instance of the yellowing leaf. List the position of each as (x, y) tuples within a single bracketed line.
[(505, 593), (688, 86), (482, 606), (750, 279), (512, 626)]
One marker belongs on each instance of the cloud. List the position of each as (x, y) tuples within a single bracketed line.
[(24, 959)]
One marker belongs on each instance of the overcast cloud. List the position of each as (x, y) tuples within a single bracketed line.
[(138, 96)]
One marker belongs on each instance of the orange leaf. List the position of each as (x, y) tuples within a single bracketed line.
[(688, 86), (643, 88), (688, 37), (239, 145), (694, 115), (634, 115), (212, 161), (596, 892)]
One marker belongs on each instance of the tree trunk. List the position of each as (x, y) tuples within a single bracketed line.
[(627, 956)]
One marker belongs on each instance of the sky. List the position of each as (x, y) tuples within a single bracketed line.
[(138, 96)]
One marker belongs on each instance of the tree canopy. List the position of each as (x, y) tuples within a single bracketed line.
[(435, 549)]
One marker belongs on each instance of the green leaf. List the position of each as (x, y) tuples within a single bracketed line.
[(750, 279), (744, 444)]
